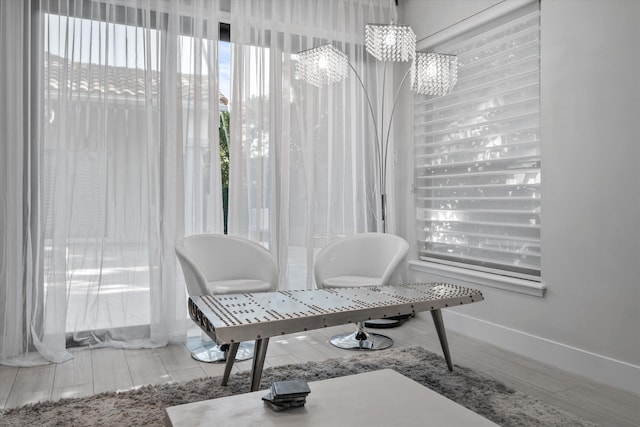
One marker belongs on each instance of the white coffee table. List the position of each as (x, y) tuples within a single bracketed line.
[(380, 398)]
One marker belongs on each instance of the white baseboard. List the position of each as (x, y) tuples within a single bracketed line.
[(614, 373)]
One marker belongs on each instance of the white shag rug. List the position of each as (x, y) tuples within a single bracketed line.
[(145, 406)]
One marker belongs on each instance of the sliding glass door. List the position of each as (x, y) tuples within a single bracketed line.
[(130, 162)]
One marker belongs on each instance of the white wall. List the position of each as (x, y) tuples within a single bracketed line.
[(589, 320)]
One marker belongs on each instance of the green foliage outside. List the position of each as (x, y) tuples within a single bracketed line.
[(224, 162)]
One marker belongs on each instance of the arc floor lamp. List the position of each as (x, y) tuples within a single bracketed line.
[(431, 74)]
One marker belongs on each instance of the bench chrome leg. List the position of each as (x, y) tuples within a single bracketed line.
[(231, 357), (439, 324), (259, 356)]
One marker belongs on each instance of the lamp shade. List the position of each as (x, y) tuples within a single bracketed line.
[(390, 42), (434, 73), (322, 65)]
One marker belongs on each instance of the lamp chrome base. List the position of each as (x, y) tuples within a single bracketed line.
[(361, 340), (210, 352)]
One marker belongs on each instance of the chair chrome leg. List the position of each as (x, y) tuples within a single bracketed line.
[(361, 339), (210, 352)]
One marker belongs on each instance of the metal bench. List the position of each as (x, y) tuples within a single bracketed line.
[(233, 318)]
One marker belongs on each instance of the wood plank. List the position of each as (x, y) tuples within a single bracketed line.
[(7, 378), (67, 392), (188, 374), (74, 378), (74, 372), (110, 370), (319, 346), (278, 346), (307, 350), (280, 360), (542, 375), (627, 413), (176, 357), (32, 385), (216, 369), (547, 379), (146, 367)]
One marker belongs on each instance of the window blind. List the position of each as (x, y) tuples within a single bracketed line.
[(477, 152)]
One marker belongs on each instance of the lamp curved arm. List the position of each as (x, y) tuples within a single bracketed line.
[(386, 141), (382, 147), (373, 115)]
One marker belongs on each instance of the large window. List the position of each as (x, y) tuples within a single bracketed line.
[(126, 92), (477, 153)]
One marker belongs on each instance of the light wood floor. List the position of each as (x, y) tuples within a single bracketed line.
[(95, 371)]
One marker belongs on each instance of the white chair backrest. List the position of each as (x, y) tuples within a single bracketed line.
[(365, 254), (210, 257)]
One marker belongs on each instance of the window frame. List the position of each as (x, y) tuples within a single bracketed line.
[(506, 280)]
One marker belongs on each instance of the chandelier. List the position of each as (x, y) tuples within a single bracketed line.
[(431, 74), (390, 42), (322, 65), (434, 73)]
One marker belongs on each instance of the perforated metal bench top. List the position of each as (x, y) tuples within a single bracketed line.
[(250, 316)]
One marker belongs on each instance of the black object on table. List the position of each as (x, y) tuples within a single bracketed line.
[(287, 394)]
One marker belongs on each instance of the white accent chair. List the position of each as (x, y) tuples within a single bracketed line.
[(363, 259), (216, 264)]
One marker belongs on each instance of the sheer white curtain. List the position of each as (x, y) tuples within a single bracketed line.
[(302, 158), (111, 121), (21, 286), (122, 160)]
